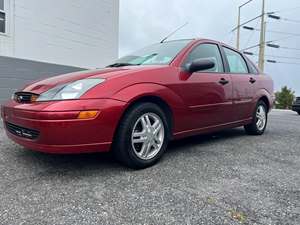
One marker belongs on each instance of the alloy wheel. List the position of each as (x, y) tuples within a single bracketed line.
[(148, 136), (261, 118)]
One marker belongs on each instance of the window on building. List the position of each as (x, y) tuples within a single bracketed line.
[(2, 17)]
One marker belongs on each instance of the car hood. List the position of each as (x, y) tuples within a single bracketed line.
[(41, 86)]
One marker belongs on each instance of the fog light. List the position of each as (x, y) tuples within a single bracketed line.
[(87, 115)]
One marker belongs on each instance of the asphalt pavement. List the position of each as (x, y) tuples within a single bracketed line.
[(223, 178)]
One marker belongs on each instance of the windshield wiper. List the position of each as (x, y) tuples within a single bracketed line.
[(122, 64)]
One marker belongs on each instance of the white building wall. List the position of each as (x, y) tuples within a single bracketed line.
[(7, 39), (82, 33)]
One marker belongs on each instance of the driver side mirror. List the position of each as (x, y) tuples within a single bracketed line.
[(200, 65)]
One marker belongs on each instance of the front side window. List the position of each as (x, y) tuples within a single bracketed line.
[(236, 62), (2, 17), (207, 51), (157, 54)]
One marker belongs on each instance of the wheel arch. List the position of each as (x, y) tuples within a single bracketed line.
[(165, 107), (265, 96), (266, 101)]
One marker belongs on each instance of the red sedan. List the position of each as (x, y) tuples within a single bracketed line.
[(133, 107)]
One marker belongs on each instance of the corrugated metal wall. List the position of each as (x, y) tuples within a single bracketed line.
[(15, 73)]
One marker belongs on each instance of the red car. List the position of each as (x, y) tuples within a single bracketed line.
[(133, 107)]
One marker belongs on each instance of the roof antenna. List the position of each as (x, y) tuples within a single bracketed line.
[(163, 40)]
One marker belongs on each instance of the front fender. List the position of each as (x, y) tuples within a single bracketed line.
[(137, 91), (178, 107)]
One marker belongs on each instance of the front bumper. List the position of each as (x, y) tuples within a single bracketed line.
[(59, 131)]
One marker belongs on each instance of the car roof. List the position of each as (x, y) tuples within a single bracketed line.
[(195, 40)]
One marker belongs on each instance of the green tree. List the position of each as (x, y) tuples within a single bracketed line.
[(284, 98)]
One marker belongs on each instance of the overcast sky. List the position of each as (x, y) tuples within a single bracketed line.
[(143, 22)]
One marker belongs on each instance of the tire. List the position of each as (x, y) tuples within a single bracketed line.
[(298, 113), (256, 127), (134, 127)]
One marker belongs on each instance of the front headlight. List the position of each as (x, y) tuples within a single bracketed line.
[(69, 91)]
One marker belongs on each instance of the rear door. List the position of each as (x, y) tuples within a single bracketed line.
[(243, 84)]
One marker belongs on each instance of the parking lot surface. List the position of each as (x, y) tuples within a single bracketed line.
[(222, 178)]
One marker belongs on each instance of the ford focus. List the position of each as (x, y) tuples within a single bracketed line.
[(136, 105)]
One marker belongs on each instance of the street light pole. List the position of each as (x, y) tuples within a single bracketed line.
[(239, 24)]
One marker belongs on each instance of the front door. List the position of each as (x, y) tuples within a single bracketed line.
[(208, 94)]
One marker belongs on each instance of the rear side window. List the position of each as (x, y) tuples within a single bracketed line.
[(236, 62), (207, 51), (252, 68)]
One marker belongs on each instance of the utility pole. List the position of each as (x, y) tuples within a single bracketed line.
[(263, 30), (261, 59)]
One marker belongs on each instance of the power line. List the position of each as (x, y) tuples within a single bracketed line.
[(287, 10), (251, 36), (280, 32), (255, 18), (280, 39), (279, 62), (274, 56), (281, 47), (282, 19), (291, 20), (282, 57), (295, 49), (268, 42), (254, 46)]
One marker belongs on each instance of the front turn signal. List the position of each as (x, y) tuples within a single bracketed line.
[(87, 115), (33, 98)]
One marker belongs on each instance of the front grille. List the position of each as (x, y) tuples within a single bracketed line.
[(22, 132), (25, 97)]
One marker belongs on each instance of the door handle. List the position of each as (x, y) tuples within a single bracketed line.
[(223, 81), (252, 80)]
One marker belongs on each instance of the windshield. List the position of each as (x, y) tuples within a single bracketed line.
[(157, 54)]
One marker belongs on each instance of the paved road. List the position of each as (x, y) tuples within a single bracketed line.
[(225, 178)]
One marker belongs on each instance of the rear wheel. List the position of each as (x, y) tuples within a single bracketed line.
[(260, 120), (142, 136)]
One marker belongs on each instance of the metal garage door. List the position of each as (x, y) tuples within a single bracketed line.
[(15, 73)]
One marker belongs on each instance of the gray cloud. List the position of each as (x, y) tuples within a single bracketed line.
[(144, 22)]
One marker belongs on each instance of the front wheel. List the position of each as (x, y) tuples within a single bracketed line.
[(142, 136), (260, 120)]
